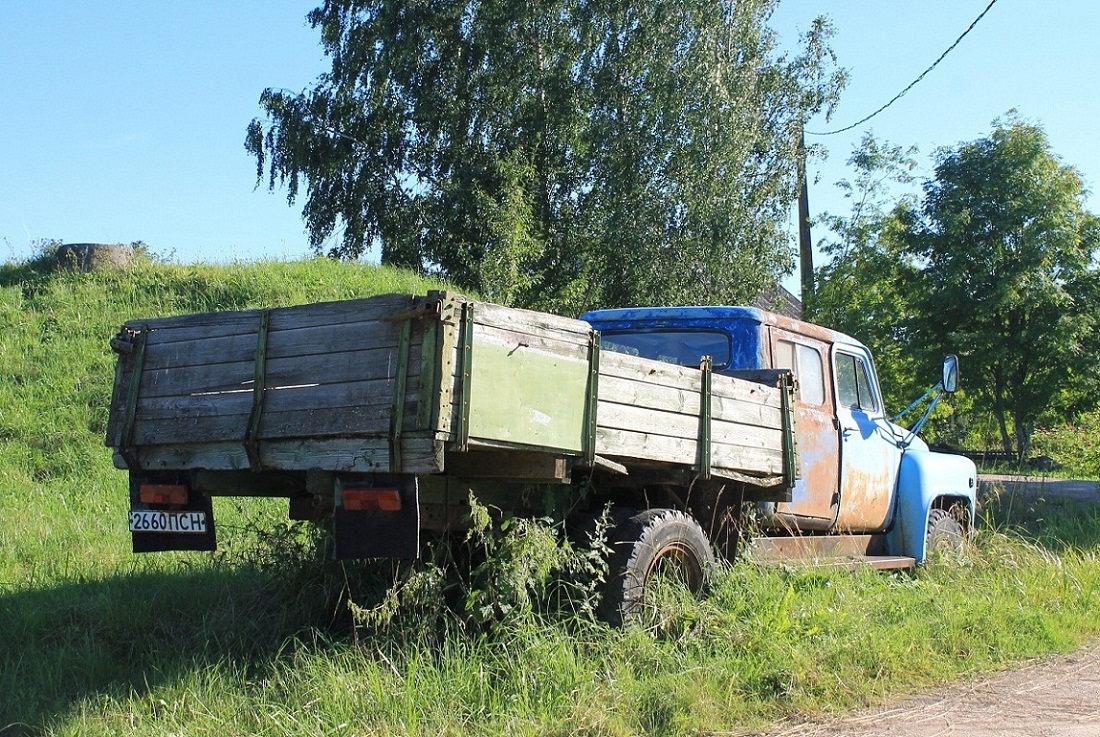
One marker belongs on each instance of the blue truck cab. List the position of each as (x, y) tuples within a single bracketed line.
[(866, 486)]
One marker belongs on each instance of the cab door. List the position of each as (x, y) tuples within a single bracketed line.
[(813, 504), (870, 452)]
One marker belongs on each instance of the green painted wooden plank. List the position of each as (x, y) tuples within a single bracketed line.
[(528, 397), (592, 400)]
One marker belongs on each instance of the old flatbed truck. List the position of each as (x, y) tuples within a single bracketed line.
[(385, 414)]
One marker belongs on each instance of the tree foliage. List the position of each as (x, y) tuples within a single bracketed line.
[(559, 154), (996, 261), (1007, 272), (861, 290)]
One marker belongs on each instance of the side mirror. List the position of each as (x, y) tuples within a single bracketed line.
[(950, 380)]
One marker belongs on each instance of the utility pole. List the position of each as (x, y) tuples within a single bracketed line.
[(805, 248)]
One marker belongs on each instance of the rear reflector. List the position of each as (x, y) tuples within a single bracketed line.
[(163, 494), (372, 500)]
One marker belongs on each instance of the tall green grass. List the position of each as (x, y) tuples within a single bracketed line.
[(260, 638)]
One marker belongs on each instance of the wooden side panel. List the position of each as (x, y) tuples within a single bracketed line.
[(419, 455), (534, 324), (211, 353), (651, 410), (529, 379), (330, 378)]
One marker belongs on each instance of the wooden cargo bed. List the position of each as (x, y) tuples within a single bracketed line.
[(390, 383)]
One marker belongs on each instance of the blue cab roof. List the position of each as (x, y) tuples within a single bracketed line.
[(745, 327), (653, 317), (720, 317)]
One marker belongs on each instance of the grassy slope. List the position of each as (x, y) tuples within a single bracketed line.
[(94, 640)]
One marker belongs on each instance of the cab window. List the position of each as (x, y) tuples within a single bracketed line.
[(682, 347), (853, 383), (805, 361)]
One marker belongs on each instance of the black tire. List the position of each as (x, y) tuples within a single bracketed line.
[(652, 543), (945, 533)]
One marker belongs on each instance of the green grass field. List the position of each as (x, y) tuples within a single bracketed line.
[(259, 639)]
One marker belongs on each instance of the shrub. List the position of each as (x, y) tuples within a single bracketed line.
[(1073, 445)]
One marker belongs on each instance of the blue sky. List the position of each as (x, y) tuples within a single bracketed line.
[(1041, 59), (125, 121)]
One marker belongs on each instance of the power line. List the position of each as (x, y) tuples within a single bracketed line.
[(912, 84)]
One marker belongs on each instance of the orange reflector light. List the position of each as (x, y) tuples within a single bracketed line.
[(372, 500), (163, 494)]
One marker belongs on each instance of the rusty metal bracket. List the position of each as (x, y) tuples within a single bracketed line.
[(421, 308), (706, 367), (123, 343), (259, 380)]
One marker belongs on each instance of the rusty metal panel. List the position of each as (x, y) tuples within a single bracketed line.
[(815, 493), (870, 452)]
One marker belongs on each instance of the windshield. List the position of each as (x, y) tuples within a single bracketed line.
[(682, 347)]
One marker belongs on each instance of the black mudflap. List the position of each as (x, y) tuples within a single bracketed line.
[(186, 517), (375, 533)]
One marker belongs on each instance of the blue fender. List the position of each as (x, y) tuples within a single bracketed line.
[(927, 480)]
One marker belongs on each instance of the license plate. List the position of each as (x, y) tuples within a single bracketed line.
[(152, 520)]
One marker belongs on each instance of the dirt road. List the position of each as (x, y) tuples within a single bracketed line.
[(1057, 697), (1053, 698)]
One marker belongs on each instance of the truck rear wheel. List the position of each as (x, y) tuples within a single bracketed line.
[(654, 545)]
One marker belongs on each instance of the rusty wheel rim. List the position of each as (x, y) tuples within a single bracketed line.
[(675, 562)]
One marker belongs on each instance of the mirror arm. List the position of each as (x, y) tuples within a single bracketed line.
[(937, 393), (917, 401), (919, 424)]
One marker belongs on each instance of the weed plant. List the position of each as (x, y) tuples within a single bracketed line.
[(492, 637)]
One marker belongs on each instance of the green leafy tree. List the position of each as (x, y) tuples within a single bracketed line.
[(560, 154), (862, 290), (1006, 275)]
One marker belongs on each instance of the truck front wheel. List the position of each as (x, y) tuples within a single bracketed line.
[(945, 532), (654, 545)]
